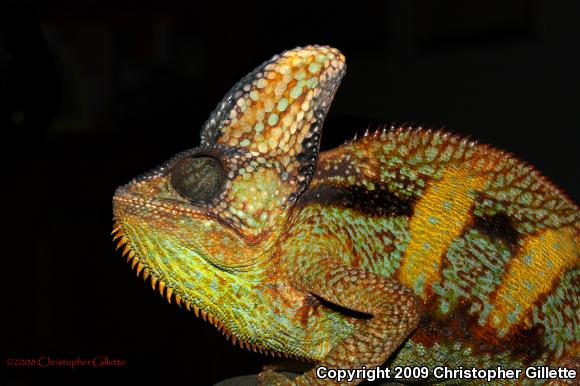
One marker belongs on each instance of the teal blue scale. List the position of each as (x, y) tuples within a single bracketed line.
[(561, 314), (473, 268)]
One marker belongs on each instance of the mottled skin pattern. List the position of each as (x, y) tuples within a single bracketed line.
[(405, 246)]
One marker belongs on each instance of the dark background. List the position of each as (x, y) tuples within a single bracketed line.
[(94, 93)]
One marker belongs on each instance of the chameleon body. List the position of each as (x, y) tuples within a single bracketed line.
[(405, 246)]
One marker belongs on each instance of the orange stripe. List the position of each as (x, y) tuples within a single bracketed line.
[(439, 217), (543, 259)]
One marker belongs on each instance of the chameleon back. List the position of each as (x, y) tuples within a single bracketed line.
[(488, 243)]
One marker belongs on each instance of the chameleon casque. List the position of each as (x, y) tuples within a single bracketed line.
[(405, 246)]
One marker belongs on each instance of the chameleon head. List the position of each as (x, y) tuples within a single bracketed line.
[(203, 224)]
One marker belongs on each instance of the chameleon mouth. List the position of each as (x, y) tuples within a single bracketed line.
[(171, 296), (129, 198)]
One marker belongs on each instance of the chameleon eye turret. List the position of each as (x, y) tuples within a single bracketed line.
[(456, 253), (198, 178)]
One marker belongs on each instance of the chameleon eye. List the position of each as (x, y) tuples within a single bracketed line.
[(198, 178)]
